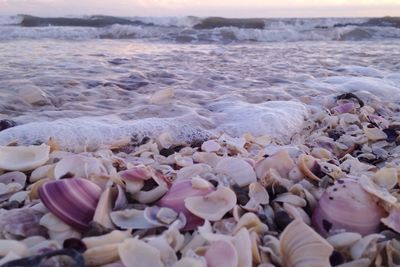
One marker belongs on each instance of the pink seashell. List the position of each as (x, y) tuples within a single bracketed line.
[(347, 206), (135, 173), (175, 199), (72, 200), (221, 253)]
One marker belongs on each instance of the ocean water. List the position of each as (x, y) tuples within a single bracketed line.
[(90, 81)]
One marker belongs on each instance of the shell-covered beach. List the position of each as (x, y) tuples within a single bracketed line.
[(215, 151)]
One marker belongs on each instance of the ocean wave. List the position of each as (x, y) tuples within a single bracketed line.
[(199, 30)]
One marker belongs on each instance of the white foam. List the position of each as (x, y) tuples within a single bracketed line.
[(280, 119)]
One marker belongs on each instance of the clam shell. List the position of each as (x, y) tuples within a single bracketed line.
[(343, 240), (72, 200), (104, 207), (280, 161), (243, 245), (239, 170), (212, 206), (23, 158), (136, 253), (301, 246), (78, 166)]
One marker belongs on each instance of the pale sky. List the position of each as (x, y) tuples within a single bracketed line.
[(226, 8)]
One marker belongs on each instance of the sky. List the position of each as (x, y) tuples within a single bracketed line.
[(225, 8)]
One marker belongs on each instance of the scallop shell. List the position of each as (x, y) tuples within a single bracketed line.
[(212, 206), (23, 158), (301, 246), (136, 253), (72, 200), (239, 170)]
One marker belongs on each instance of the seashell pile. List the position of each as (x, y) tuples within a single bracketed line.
[(330, 198)]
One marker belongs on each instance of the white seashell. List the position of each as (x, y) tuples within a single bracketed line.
[(114, 237), (167, 254), (291, 199), (360, 248), (258, 193), (189, 262), (6, 190), (23, 158), (210, 146), (57, 229), (374, 134), (212, 206), (221, 253), (393, 220), (238, 169), (301, 246), (20, 196), (386, 177), (44, 245), (13, 177), (131, 219), (210, 159), (101, 255), (146, 197), (192, 171), (165, 140), (251, 221), (183, 161), (45, 171), (19, 248), (297, 212), (242, 243), (280, 161), (343, 240), (103, 209), (136, 253), (162, 96), (372, 188), (236, 143), (33, 240), (79, 166)]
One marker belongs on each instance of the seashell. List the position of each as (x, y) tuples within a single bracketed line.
[(9, 257), (101, 255), (21, 223), (189, 262), (258, 193), (19, 248), (301, 246), (360, 248), (78, 166), (374, 134), (239, 170), (72, 200), (7, 190), (210, 146), (34, 188), (209, 159), (103, 209), (136, 173), (19, 197), (280, 161), (344, 108), (162, 96), (251, 221), (114, 237), (297, 212), (386, 177), (347, 206), (343, 240), (357, 263), (175, 199), (192, 171), (131, 219), (291, 199), (380, 192), (121, 201), (309, 166), (23, 158), (221, 253), (393, 220), (236, 143), (212, 206), (57, 229), (243, 245), (45, 171), (167, 254), (136, 253), (321, 153), (13, 177)]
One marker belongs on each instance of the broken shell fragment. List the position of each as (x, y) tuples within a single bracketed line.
[(301, 246), (13, 177), (72, 200), (101, 255), (347, 206), (136, 253), (23, 158), (280, 161), (175, 199), (78, 166), (212, 206), (239, 170), (393, 220)]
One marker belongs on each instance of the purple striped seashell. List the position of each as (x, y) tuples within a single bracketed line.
[(72, 200)]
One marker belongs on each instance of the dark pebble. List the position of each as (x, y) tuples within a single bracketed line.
[(391, 134), (74, 243), (166, 152), (282, 219), (241, 195), (327, 225), (336, 258), (5, 124), (350, 96), (10, 205)]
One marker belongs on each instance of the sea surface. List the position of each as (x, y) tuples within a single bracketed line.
[(87, 81)]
